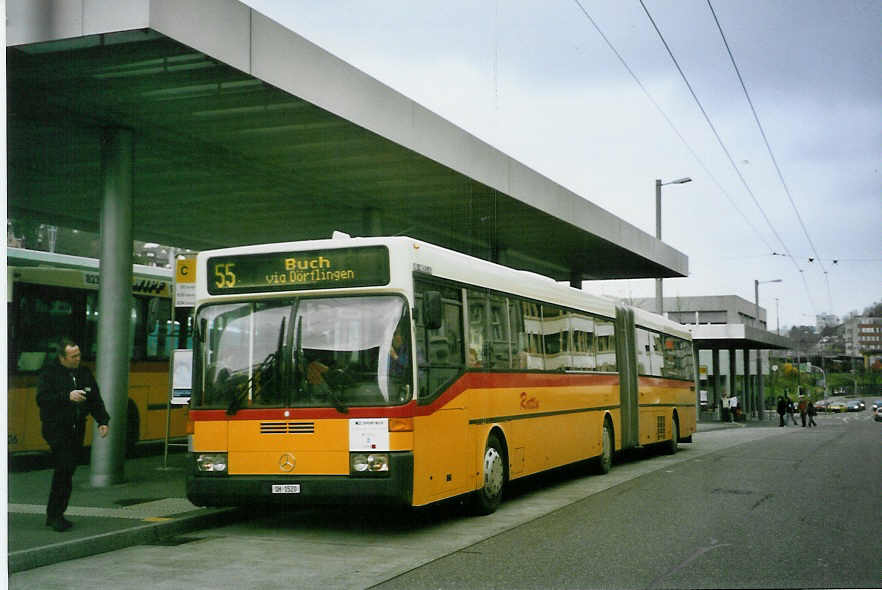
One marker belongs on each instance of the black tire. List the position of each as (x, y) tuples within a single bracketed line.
[(133, 428), (603, 463), (673, 444), (488, 497)]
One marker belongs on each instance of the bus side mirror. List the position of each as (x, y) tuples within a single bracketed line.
[(432, 310)]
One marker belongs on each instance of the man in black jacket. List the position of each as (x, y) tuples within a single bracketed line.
[(66, 394)]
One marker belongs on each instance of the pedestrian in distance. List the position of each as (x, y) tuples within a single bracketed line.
[(812, 412), (782, 409), (66, 394), (802, 411), (791, 411)]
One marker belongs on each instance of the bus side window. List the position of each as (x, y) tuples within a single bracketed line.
[(499, 354), (477, 328), (556, 336), (658, 361), (439, 352), (526, 330), (606, 345), (583, 354), (641, 343)]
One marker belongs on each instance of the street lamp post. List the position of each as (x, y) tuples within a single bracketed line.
[(756, 285), (659, 299), (777, 318)]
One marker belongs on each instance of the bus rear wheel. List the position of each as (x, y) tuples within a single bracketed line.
[(604, 461), (489, 495)]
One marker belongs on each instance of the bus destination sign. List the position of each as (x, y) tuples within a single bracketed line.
[(292, 271)]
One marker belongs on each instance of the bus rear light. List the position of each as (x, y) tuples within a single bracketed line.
[(400, 424)]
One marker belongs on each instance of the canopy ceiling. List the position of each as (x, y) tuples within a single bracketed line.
[(224, 157)]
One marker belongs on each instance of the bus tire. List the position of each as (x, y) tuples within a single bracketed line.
[(674, 442), (133, 428), (489, 495), (603, 464)]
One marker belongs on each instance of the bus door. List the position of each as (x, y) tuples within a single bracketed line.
[(627, 365)]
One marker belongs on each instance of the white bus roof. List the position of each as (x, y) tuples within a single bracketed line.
[(37, 258), (456, 266)]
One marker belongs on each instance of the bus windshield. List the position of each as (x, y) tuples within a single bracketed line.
[(304, 352)]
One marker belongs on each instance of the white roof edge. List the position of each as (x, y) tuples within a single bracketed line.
[(54, 260)]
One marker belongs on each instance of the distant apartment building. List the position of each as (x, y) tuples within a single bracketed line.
[(863, 336), (826, 320)]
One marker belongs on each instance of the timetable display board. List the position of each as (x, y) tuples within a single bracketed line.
[(293, 271)]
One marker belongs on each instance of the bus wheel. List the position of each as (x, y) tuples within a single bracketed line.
[(604, 461), (672, 444), (488, 497)]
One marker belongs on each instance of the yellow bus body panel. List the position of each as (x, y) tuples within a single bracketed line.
[(543, 427)]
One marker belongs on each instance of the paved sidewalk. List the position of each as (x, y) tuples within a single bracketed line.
[(149, 507)]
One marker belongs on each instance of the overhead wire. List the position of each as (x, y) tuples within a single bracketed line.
[(771, 153), (672, 126), (729, 155)]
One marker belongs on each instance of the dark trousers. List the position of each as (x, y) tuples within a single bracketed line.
[(66, 455), (781, 416)]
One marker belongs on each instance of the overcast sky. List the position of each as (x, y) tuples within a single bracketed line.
[(535, 79)]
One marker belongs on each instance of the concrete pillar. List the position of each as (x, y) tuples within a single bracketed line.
[(733, 371), (372, 222), (747, 406), (696, 356), (716, 385), (114, 302), (761, 398)]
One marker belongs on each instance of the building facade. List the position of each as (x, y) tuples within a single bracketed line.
[(863, 336)]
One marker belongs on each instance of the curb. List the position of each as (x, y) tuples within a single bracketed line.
[(26, 559)]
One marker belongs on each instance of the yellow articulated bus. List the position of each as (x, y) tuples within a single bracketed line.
[(392, 370), (54, 295)]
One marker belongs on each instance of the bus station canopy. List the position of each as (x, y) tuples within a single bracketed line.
[(737, 337), (245, 132)]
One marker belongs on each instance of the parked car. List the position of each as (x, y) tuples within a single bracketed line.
[(853, 405), (877, 404), (878, 416), (837, 406), (821, 405)]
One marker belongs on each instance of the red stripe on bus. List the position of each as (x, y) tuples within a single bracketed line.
[(470, 380), (663, 382)]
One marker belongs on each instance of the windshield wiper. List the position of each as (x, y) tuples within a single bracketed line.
[(299, 362), (240, 392), (339, 381), (258, 383)]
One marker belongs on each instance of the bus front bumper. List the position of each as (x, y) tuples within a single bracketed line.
[(244, 490)]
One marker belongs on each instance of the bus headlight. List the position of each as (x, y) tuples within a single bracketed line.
[(368, 463), (211, 462)]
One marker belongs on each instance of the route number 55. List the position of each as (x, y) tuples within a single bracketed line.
[(224, 275)]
